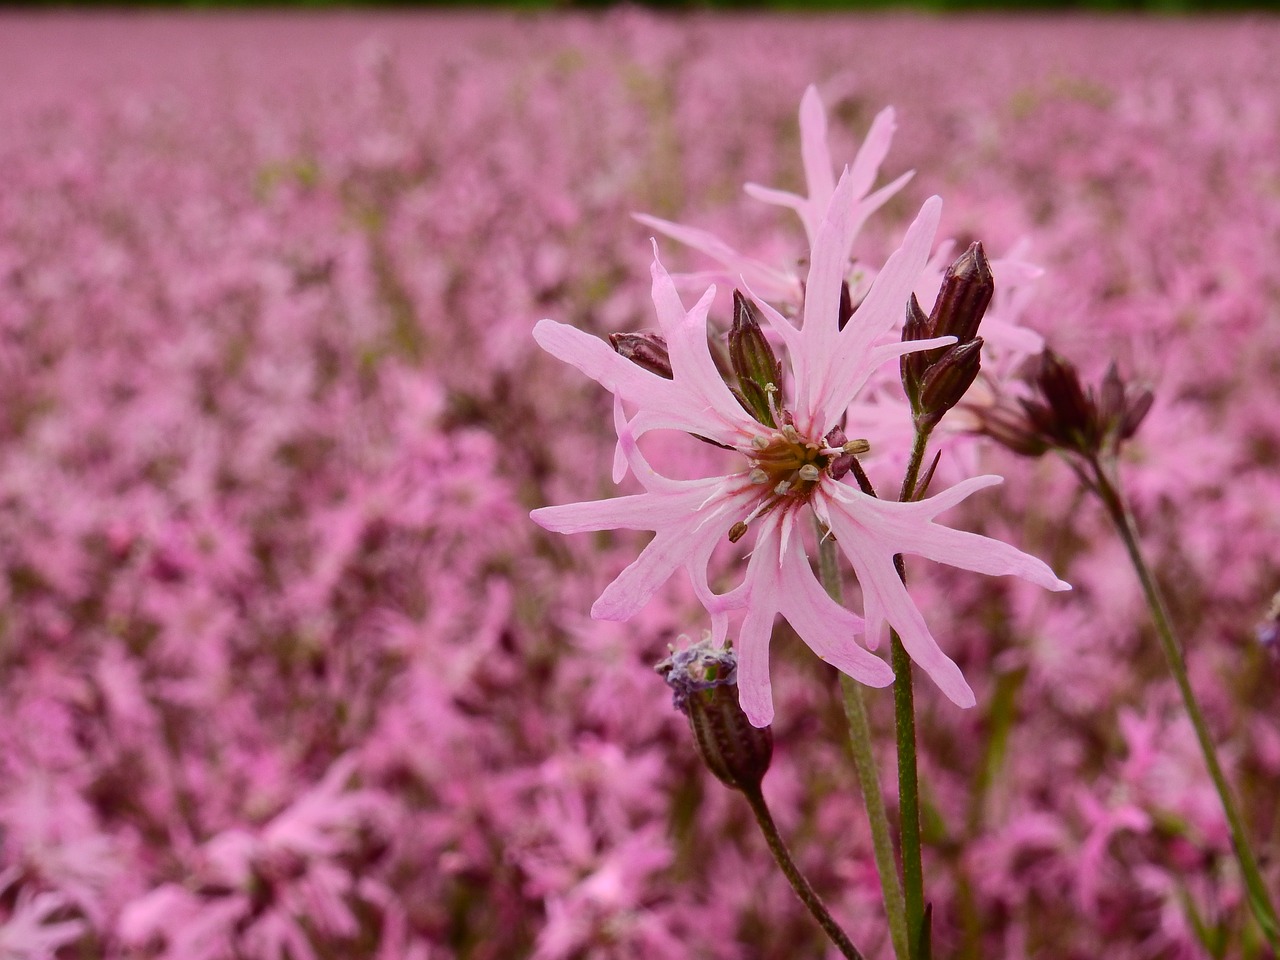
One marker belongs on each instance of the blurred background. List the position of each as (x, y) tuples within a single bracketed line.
[(286, 671)]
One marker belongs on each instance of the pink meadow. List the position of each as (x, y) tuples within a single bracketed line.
[(288, 672)]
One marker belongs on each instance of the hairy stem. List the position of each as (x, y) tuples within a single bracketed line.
[(855, 712), (798, 882), (1108, 491)]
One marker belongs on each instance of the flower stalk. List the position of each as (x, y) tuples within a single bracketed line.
[(864, 761), (904, 713), (1105, 483), (810, 898), (703, 678), (1089, 429)]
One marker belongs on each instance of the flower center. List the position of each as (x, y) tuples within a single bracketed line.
[(789, 464), (788, 467)]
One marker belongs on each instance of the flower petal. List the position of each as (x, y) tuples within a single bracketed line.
[(846, 358), (816, 156), (824, 625)]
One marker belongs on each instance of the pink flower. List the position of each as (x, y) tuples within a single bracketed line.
[(781, 284), (783, 470)]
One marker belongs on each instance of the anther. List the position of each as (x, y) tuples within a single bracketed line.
[(759, 442), (782, 488), (856, 447), (809, 472), (737, 532), (758, 476)]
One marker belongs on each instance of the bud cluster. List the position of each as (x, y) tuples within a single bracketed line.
[(1064, 415), (704, 680), (936, 380)]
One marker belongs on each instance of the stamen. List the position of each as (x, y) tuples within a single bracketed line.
[(739, 529), (782, 488), (759, 442), (854, 447), (792, 435), (772, 391), (758, 476), (809, 472)]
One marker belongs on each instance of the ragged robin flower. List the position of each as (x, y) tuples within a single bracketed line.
[(793, 461)]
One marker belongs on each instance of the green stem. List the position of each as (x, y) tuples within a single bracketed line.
[(798, 882), (905, 725), (1259, 900), (855, 712), (908, 790)]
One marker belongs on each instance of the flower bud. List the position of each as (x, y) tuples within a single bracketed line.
[(704, 680), (914, 365), (1067, 416), (947, 380), (754, 362), (1073, 416), (647, 350), (967, 288), (1006, 422)]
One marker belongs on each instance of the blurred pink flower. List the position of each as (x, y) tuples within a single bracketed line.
[(786, 469), (784, 284), (30, 932)]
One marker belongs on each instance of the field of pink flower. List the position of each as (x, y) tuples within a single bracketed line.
[(286, 670)]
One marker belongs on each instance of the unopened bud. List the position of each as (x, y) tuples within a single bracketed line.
[(647, 350), (754, 362), (1007, 423), (704, 680), (1074, 422), (1121, 407), (947, 380), (1137, 402), (914, 365), (967, 288), (1111, 395)]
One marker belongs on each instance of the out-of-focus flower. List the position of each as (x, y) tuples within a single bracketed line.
[(782, 284), (786, 468), (30, 932), (1066, 416)]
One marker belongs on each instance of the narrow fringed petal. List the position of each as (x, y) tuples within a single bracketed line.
[(871, 531)]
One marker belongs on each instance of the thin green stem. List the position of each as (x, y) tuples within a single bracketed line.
[(798, 882), (908, 790), (855, 712), (904, 713), (1108, 491)]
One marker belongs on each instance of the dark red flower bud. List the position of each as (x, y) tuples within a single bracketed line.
[(967, 288), (1072, 420), (1008, 424), (1137, 404), (914, 365), (946, 381), (647, 350), (1065, 414)]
